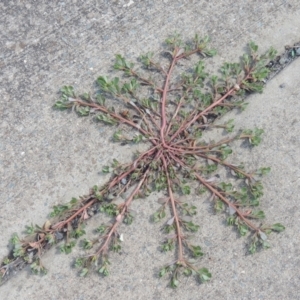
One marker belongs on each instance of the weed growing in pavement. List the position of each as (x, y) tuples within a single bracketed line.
[(169, 113)]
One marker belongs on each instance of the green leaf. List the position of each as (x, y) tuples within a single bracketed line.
[(174, 282), (219, 206), (260, 74), (87, 244), (84, 272), (68, 91), (204, 275), (62, 104), (116, 247), (85, 97), (18, 250), (59, 210), (243, 229), (115, 163), (252, 86), (101, 229), (38, 268), (225, 151), (271, 54), (103, 270), (117, 137), (256, 139), (122, 64), (278, 227), (246, 60), (190, 226), (253, 247), (163, 271), (146, 59), (256, 189), (30, 229), (186, 190), (128, 219), (187, 272), (67, 248), (159, 215), (50, 238), (196, 251), (190, 210), (77, 233), (110, 209), (231, 220), (105, 118), (102, 81), (214, 79), (226, 186), (199, 71), (258, 214), (79, 262), (263, 171), (73, 200), (168, 245), (100, 99), (210, 52), (253, 46), (229, 126), (266, 244), (137, 139), (83, 111), (106, 169), (174, 40)]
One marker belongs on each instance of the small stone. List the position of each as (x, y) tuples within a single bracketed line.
[(59, 235), (282, 60), (282, 86), (207, 243)]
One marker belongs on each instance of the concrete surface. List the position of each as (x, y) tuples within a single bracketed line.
[(47, 157)]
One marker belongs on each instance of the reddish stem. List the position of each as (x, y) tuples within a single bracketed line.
[(224, 199), (116, 116), (221, 162), (61, 224), (133, 167), (164, 100), (195, 118), (174, 210), (128, 201), (217, 193)]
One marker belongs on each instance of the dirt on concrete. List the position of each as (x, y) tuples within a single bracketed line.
[(47, 157)]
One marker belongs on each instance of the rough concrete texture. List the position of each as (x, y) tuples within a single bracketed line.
[(47, 157)]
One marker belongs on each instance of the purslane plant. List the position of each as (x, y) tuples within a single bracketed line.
[(170, 114)]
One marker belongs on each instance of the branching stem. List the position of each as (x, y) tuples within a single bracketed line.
[(175, 212), (120, 216), (230, 204), (164, 99)]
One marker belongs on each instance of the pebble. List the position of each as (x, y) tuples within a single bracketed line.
[(58, 235), (283, 60)]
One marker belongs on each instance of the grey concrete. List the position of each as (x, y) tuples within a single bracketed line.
[(47, 157)]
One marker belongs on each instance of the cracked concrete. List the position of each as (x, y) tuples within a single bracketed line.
[(47, 157)]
